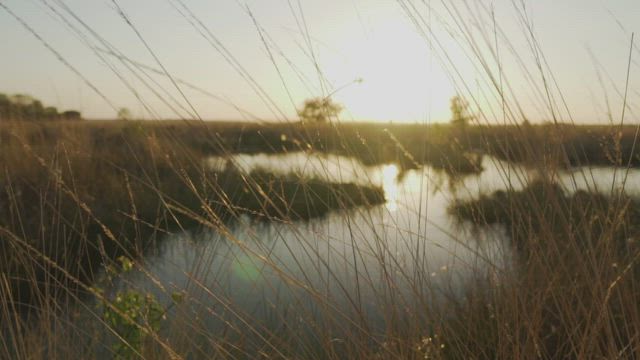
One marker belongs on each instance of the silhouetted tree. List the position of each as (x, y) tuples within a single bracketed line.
[(25, 107), (124, 114), (319, 110), (460, 111), (50, 113), (71, 115)]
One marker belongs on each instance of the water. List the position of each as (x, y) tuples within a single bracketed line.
[(349, 271), (405, 254)]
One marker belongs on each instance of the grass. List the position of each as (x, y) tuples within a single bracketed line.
[(77, 196), (293, 198), (80, 195), (577, 271)]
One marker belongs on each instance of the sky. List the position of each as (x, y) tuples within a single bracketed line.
[(383, 60)]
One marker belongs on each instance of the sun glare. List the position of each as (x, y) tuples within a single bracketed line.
[(402, 81)]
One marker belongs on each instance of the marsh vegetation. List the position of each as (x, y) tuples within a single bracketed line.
[(486, 237), (250, 227)]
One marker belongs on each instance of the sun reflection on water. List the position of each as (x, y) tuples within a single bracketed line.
[(390, 185)]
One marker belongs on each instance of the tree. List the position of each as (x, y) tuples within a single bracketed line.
[(124, 114), (50, 113), (320, 109), (460, 111), (25, 107), (71, 115)]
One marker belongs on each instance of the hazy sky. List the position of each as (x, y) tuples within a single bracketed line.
[(235, 59)]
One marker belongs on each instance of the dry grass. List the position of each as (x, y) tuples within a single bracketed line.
[(76, 196)]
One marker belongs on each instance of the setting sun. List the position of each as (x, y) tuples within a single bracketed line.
[(402, 81)]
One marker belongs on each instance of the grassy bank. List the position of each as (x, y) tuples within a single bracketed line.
[(75, 196), (78, 195), (439, 145), (574, 290)]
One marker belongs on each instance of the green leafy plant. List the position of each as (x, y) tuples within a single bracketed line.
[(132, 315)]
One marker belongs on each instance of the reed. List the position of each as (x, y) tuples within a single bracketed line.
[(85, 206)]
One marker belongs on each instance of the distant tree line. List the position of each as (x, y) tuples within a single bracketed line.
[(25, 107)]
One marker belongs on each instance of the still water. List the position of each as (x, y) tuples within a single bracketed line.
[(353, 269), (407, 253)]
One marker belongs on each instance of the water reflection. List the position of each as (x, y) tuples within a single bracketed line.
[(390, 185), (309, 165), (350, 268)]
